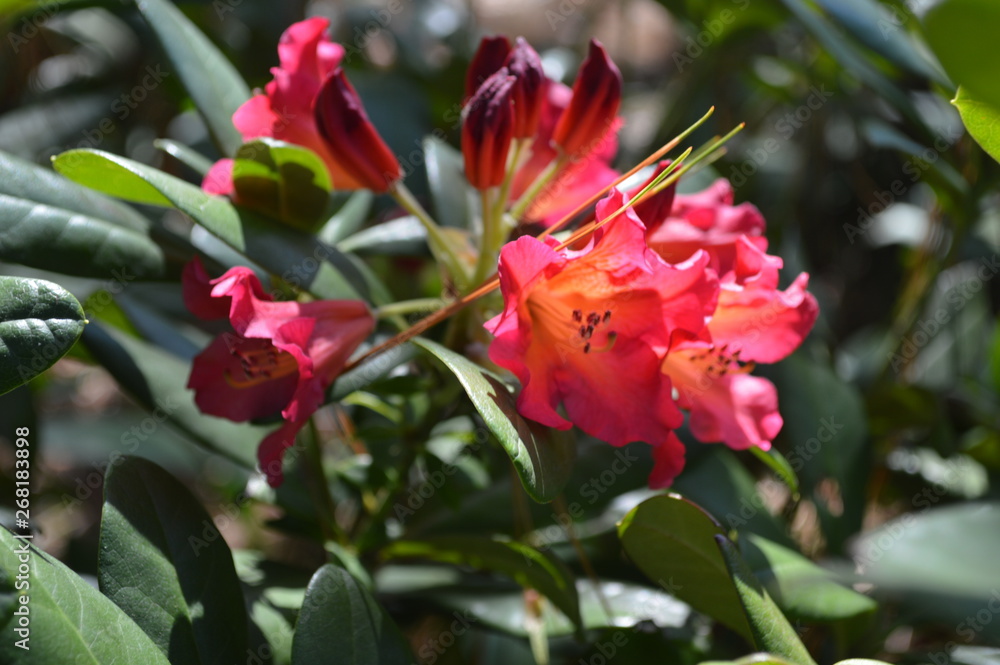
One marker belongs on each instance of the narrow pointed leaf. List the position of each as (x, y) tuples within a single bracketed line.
[(771, 630), (163, 561), (295, 256), (211, 80), (542, 457)]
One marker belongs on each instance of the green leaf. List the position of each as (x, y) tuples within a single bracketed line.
[(71, 622), (211, 80), (283, 180), (802, 589), (528, 566), (158, 381), (981, 119), (24, 180), (348, 219), (962, 33), (672, 541), (939, 563), (39, 323), (341, 618), (295, 256), (771, 630), (543, 457), (185, 155), (404, 236), (163, 561), (454, 200), (779, 465), (883, 32), (68, 242)]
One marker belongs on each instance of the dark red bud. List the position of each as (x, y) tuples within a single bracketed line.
[(597, 94), (351, 138), (487, 131), (489, 57), (654, 209), (529, 89)]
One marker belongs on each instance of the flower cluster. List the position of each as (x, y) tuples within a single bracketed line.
[(653, 316), (665, 309)]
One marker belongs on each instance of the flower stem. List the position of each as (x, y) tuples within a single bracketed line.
[(440, 247), (486, 248), (554, 167), (408, 307)]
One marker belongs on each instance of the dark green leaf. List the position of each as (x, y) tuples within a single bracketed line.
[(211, 80), (543, 457), (71, 622), (164, 562), (68, 242), (283, 180), (295, 256), (962, 33), (528, 566), (771, 630), (340, 620), (981, 119), (39, 323), (24, 180), (672, 541)]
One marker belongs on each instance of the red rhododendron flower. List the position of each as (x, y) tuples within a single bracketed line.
[(578, 180), (589, 329), (281, 356), (705, 220), (286, 112), (753, 321), (540, 105), (593, 110), (487, 131)]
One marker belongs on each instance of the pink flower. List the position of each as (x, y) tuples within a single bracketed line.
[(752, 322), (310, 63), (589, 330), (281, 356), (706, 220)]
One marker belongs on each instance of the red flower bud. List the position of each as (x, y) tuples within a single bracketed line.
[(351, 138), (654, 209), (489, 57), (487, 131), (529, 89), (597, 94)]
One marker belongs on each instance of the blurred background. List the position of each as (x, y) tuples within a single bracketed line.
[(853, 153)]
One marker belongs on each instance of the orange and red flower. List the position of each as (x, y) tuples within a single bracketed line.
[(589, 330), (280, 357)]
